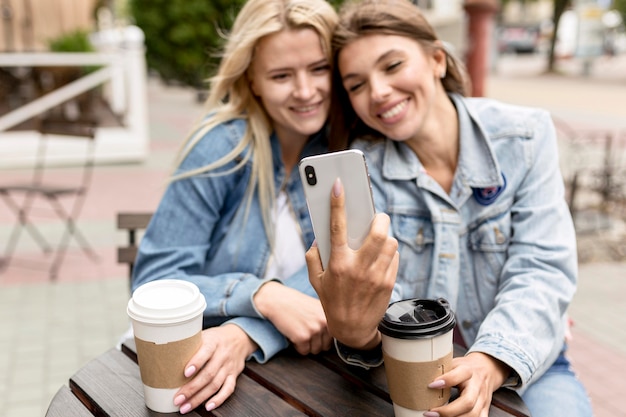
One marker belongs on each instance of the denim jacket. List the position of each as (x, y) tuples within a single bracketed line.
[(500, 247), (198, 234)]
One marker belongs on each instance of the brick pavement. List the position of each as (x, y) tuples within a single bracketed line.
[(51, 329)]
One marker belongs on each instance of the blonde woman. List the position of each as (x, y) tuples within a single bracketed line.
[(233, 220)]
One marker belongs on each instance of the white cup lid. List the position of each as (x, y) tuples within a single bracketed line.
[(166, 301)]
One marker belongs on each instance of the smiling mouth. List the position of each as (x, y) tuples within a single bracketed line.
[(306, 109), (394, 111)]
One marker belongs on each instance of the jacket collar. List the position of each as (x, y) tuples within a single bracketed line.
[(478, 166)]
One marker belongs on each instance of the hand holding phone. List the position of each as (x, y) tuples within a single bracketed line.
[(318, 174)]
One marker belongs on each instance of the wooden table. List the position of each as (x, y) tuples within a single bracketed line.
[(288, 385)]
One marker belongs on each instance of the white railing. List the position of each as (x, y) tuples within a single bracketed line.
[(123, 76)]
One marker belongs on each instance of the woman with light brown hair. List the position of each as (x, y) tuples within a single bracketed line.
[(474, 213)]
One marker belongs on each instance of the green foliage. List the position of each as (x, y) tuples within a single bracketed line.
[(183, 36), (336, 3), (75, 41)]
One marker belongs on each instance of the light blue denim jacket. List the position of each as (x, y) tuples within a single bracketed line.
[(501, 246), (198, 234)]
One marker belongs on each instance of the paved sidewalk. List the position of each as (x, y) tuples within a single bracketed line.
[(50, 330)]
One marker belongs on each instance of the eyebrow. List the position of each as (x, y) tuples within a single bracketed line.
[(380, 58), (313, 64)]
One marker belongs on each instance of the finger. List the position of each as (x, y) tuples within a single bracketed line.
[(314, 265), (456, 376), (338, 222), (209, 388), (222, 395), (392, 272), (201, 357), (327, 340), (303, 348), (379, 230), (378, 237), (461, 406), (320, 343), (199, 383)]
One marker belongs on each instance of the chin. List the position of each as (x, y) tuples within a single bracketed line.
[(310, 128)]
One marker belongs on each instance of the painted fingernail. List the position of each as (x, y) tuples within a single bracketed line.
[(190, 371), (185, 408), (179, 400), (440, 383), (431, 414), (337, 187), (210, 406)]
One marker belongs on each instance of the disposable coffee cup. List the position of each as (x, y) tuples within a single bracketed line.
[(417, 348), (166, 316)]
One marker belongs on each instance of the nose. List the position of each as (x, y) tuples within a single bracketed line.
[(304, 88), (379, 89)]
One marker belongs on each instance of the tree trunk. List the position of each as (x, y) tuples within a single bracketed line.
[(559, 8)]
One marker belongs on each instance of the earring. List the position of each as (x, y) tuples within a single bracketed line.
[(443, 74)]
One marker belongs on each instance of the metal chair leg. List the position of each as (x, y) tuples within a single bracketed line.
[(70, 225), (22, 224)]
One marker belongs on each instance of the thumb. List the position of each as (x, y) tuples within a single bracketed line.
[(314, 265)]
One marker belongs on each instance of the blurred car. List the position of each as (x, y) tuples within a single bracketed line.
[(520, 39)]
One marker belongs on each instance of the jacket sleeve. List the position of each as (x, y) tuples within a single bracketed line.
[(180, 235), (540, 273), (263, 332)]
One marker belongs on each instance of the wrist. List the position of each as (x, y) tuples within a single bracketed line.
[(262, 298), (241, 339), (371, 342)]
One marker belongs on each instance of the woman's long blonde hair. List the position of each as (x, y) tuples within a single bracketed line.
[(230, 96)]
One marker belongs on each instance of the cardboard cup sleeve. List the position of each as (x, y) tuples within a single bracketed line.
[(405, 378), (162, 366)]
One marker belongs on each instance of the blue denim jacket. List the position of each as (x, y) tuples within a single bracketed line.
[(501, 246), (198, 234)]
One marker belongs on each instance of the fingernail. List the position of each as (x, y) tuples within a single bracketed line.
[(190, 371), (210, 406), (337, 187), (431, 414), (179, 400), (185, 408), (440, 383)]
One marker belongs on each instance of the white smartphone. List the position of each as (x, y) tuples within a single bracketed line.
[(318, 174)]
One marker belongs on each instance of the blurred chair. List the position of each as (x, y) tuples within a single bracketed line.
[(134, 224), (54, 194)]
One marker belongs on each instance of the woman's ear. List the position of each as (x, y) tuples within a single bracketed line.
[(440, 60), (251, 83)]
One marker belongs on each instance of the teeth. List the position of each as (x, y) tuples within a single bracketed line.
[(394, 110), (305, 109)]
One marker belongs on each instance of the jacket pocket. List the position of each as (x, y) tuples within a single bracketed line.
[(489, 242), (415, 237)]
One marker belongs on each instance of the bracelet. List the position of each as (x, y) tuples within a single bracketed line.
[(366, 359)]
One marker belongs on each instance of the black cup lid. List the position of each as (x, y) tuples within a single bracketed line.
[(417, 318)]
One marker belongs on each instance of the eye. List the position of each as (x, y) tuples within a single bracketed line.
[(393, 66), (353, 88), (280, 76), (321, 69)]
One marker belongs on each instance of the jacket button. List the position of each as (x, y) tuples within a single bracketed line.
[(419, 239), (500, 238), (466, 324)]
